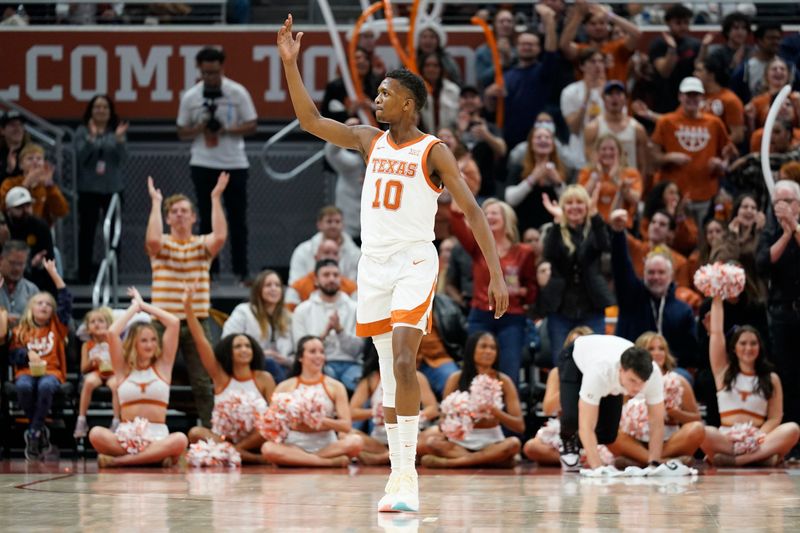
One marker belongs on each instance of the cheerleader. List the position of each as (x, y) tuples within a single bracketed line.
[(235, 367), (485, 445), (143, 366), (369, 390), (306, 446), (750, 399), (683, 429)]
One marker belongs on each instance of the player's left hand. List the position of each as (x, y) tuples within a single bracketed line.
[(498, 296)]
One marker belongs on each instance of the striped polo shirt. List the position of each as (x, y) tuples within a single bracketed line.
[(179, 262)]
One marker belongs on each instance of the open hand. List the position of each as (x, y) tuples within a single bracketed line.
[(136, 298), (552, 207), (155, 194), (50, 266), (121, 130), (222, 182), (288, 46)]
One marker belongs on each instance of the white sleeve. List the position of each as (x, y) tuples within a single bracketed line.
[(184, 111), (593, 388), (246, 107), (236, 323), (570, 99), (515, 194), (298, 265), (654, 388)]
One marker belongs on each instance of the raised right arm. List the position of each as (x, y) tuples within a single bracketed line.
[(353, 137)]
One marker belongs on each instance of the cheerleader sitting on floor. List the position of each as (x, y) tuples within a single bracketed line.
[(143, 366), (750, 399), (485, 444), (304, 445), (683, 429), (241, 387)]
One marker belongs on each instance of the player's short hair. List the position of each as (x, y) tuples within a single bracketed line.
[(639, 360), (412, 83)]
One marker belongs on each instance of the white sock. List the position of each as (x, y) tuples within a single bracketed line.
[(408, 429), (393, 438), (82, 418)]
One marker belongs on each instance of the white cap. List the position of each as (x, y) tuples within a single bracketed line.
[(692, 85), (18, 196)]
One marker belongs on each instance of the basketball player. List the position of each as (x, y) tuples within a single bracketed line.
[(406, 172)]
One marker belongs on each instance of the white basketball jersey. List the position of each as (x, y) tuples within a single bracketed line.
[(398, 200)]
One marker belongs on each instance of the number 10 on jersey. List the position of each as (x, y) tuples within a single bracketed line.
[(390, 196)]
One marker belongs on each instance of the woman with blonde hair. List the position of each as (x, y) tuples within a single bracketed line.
[(143, 365), (683, 426), (620, 185), (541, 173), (577, 293), (519, 270), (265, 318)]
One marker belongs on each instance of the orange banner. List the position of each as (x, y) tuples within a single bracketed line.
[(145, 70)]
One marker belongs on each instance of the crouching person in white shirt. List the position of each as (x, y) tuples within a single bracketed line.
[(595, 372)]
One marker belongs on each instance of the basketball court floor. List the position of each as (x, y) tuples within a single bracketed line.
[(74, 496)]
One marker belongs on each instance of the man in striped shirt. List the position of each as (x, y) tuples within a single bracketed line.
[(180, 257)]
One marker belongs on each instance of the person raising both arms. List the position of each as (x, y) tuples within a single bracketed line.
[(406, 172)]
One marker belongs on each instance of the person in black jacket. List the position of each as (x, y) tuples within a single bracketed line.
[(778, 260), (577, 294), (649, 304)]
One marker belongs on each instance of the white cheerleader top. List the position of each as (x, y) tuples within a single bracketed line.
[(143, 387), (245, 386), (741, 398)]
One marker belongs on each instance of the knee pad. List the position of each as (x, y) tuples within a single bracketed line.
[(383, 345)]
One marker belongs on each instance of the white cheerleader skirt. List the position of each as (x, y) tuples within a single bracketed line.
[(312, 441), (480, 438), (157, 432)]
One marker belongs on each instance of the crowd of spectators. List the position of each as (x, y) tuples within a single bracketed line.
[(617, 170)]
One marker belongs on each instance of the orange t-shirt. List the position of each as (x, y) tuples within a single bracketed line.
[(617, 58), (726, 106), (761, 103), (609, 190), (685, 239), (639, 251), (700, 138), (308, 284), (49, 341), (755, 140)]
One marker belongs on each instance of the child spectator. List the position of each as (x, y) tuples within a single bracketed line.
[(37, 176), (38, 353), (96, 367)]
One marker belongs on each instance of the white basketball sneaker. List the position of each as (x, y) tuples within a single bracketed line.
[(407, 496), (386, 502)]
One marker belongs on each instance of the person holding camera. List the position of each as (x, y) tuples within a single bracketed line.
[(216, 114)]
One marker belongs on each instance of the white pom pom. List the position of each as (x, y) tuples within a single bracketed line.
[(720, 279)]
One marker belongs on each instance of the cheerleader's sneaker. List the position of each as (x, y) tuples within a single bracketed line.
[(672, 468), (390, 491), (407, 497)]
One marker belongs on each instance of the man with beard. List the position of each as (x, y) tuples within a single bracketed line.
[(25, 227), (330, 314), (649, 303)]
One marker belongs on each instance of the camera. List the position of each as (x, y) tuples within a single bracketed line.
[(210, 95)]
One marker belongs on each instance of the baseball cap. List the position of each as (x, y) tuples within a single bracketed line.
[(10, 115), (18, 196), (613, 84), (692, 85)]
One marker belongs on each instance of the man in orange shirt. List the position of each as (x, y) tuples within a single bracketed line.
[(300, 290), (692, 148), (721, 101), (597, 21)]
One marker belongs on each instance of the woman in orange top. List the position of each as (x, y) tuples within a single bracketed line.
[(620, 185), (38, 353)]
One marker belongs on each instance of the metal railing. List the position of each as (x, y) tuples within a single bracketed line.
[(107, 283)]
